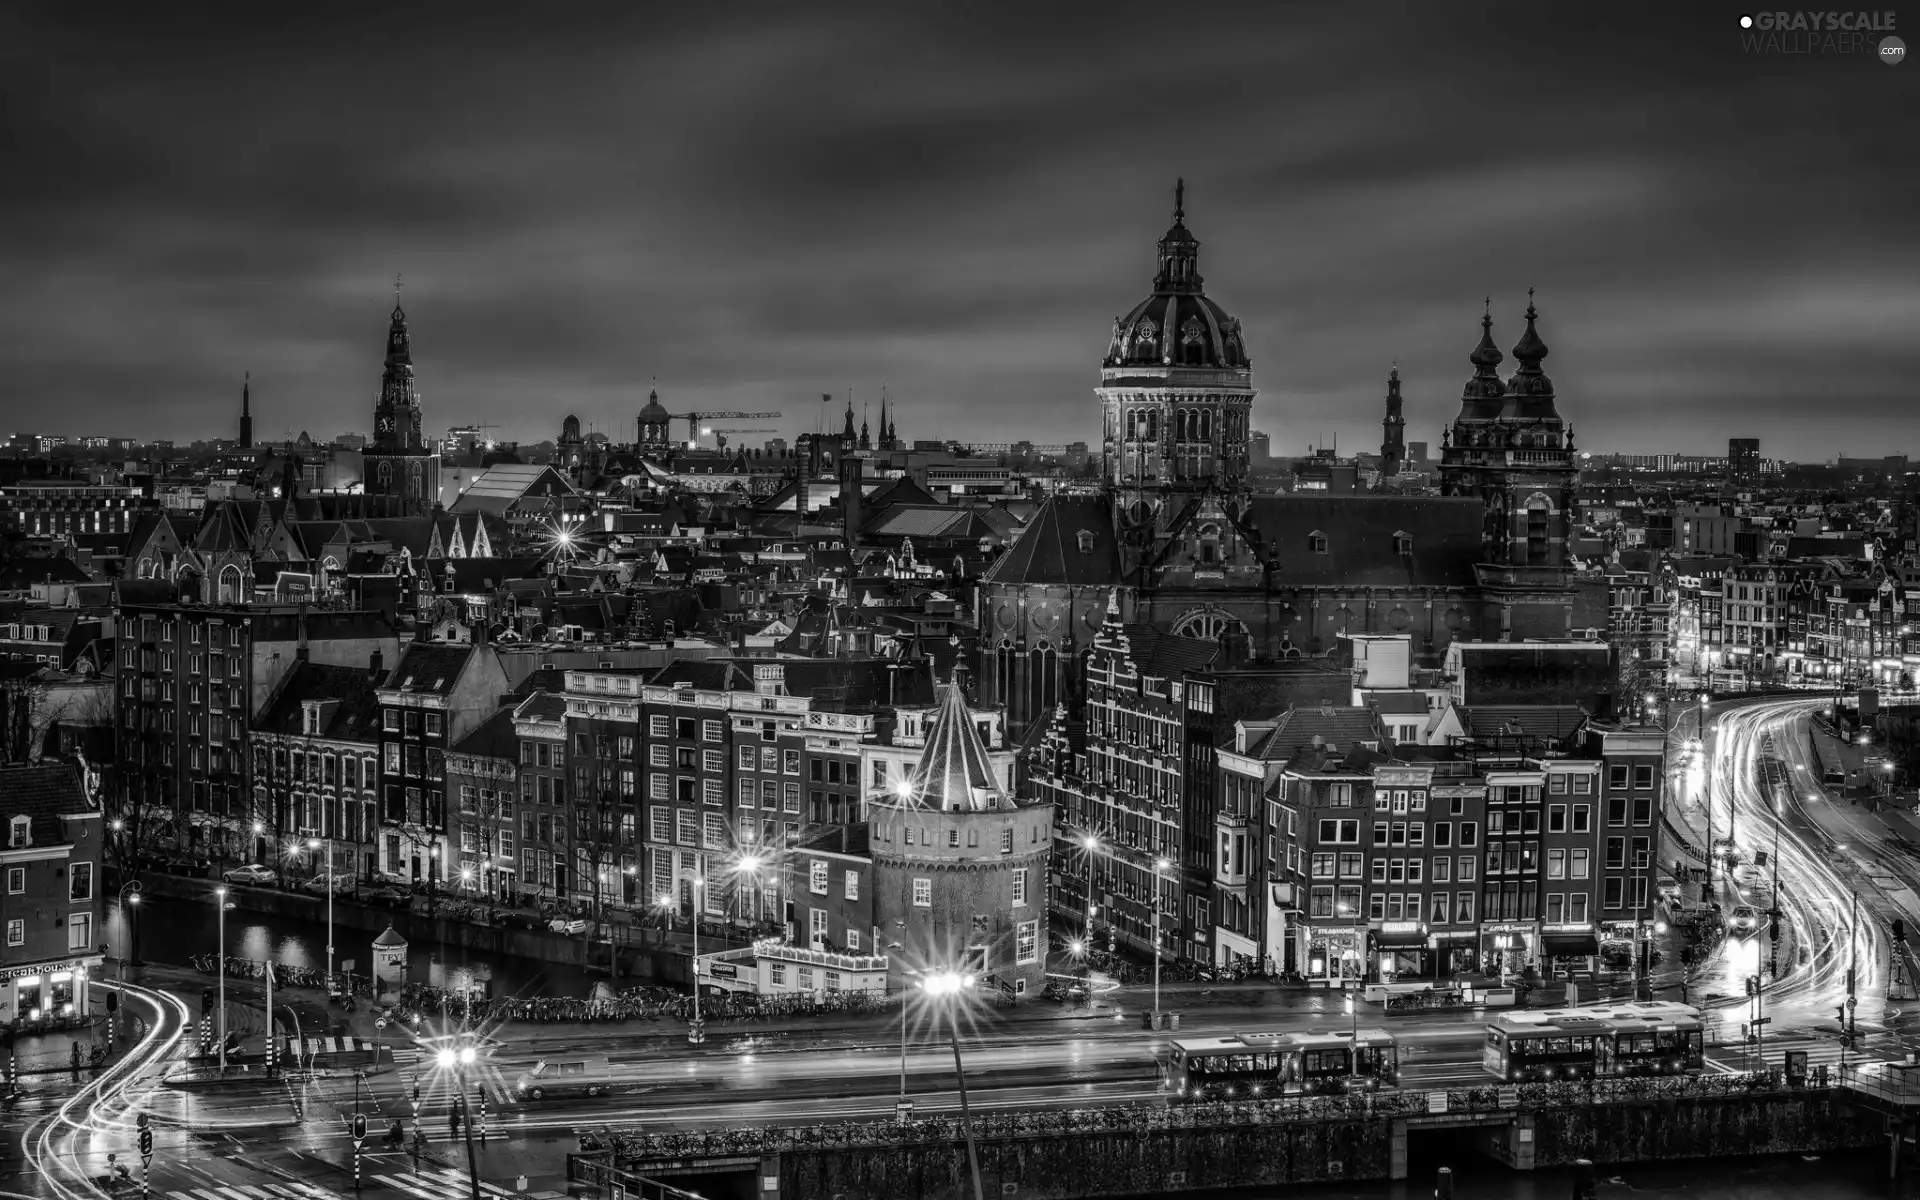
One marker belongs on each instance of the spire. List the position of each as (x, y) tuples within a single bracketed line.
[(1486, 356), (886, 435), (954, 773), (1179, 250), (1530, 349), (246, 411)]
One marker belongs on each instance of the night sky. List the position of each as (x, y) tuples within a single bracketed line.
[(952, 201)]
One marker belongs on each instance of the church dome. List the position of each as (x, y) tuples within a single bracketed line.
[(1177, 326), (654, 412)]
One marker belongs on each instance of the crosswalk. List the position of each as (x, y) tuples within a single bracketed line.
[(430, 1183)]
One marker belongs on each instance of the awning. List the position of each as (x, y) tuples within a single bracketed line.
[(1569, 945), (1400, 939)]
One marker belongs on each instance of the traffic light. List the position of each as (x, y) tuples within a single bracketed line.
[(113, 998), (416, 1093), (1899, 930), (1753, 984), (1773, 923), (146, 1143), (1849, 981), (1842, 1014), (359, 1127)]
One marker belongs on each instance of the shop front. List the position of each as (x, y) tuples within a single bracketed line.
[(1335, 955), (51, 995), (1568, 948), (1231, 951), (1455, 952), (1399, 950), (1618, 940), (1508, 949)]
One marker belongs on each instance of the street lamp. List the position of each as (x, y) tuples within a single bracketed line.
[(1706, 752), (1092, 845), (457, 1059), (130, 913), (1160, 865), (314, 844), (749, 865), (220, 898), (948, 988), (696, 1029)]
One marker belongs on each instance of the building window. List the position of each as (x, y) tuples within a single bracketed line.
[(816, 927), (80, 881), (16, 880), (1027, 942), (79, 932), (817, 877), (923, 893), (16, 932), (1583, 818), (852, 891)]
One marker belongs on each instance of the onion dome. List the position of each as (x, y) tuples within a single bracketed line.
[(1177, 326), (1529, 390), (654, 412), (570, 429), (1481, 398)]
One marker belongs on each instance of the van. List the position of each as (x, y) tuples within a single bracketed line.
[(551, 1078)]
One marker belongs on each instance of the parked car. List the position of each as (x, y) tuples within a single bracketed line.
[(389, 897), (568, 925), (339, 883), (252, 873), (1744, 921)]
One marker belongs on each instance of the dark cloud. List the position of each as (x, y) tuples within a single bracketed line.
[(949, 201)]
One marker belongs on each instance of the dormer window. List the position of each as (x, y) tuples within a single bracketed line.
[(1402, 543), (20, 833), (1317, 542), (1085, 538)]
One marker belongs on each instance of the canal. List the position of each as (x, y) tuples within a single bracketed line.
[(173, 931)]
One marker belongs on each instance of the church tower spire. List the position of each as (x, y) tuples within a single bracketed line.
[(246, 411), (1393, 446), (396, 416)]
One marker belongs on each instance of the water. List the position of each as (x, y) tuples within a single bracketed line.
[(173, 931), (1785, 1177)]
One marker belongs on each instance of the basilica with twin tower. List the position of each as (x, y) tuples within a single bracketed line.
[(1178, 540)]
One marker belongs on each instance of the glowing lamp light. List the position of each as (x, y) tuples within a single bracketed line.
[(903, 787), (750, 862), (946, 983), (1161, 864), (447, 1058), (1077, 946)]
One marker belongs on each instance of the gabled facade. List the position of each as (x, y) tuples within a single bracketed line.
[(51, 908)]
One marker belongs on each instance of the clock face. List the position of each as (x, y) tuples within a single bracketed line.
[(386, 424)]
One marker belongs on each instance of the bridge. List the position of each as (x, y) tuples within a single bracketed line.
[(1146, 1149)]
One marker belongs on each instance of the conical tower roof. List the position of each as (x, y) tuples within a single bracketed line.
[(955, 773)]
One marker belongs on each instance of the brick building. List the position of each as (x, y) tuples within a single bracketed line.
[(51, 906)]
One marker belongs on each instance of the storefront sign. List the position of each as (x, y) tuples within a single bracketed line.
[(723, 971), (43, 969), (1402, 927), (1581, 928)]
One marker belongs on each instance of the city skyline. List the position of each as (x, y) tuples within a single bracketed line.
[(853, 202)]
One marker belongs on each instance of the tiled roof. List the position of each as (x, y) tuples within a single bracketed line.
[(1048, 551), (1360, 535), (542, 706), (357, 718), (1546, 722), (1167, 656), (45, 792), (1343, 726), (428, 668), (494, 738)]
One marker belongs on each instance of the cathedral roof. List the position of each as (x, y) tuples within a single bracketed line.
[(654, 412), (1177, 325), (1049, 550), (1368, 541), (955, 774)]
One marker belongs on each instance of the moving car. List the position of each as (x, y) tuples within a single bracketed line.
[(339, 883), (252, 873), (1744, 921)]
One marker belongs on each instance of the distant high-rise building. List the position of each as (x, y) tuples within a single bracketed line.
[(1417, 453), (1743, 458), (1262, 448)]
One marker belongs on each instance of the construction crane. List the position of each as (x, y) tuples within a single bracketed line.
[(693, 420)]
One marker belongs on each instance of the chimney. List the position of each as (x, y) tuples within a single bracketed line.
[(376, 665), (1318, 741)]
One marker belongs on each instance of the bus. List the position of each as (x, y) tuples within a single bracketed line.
[(1255, 1065), (1552, 1044), (1660, 1038), (554, 1078), (1649, 1038)]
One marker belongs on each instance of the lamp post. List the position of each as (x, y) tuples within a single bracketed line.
[(220, 897), (1160, 866), (1092, 845), (130, 913), (1706, 755), (457, 1059), (946, 988), (314, 844), (697, 1029)]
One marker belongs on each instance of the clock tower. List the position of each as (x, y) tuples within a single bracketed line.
[(400, 463)]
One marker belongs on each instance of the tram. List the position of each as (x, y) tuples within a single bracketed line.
[(1257, 1065), (1650, 1038)]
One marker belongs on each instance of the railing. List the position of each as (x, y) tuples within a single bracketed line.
[(633, 1146), (1896, 1082)]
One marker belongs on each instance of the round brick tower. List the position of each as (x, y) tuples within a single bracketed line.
[(959, 866)]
